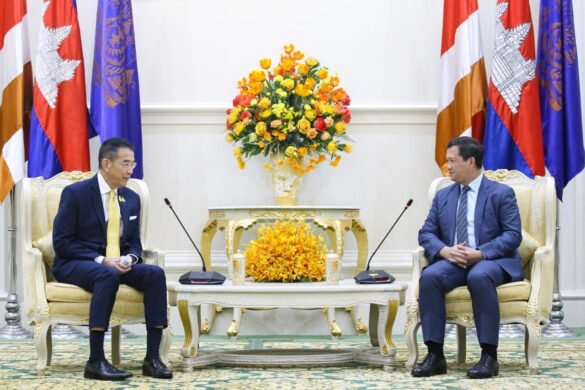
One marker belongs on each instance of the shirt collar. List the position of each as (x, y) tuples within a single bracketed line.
[(104, 187), (474, 185)]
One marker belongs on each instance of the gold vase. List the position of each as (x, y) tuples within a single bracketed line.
[(285, 181)]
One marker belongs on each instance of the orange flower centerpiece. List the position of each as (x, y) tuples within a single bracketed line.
[(288, 251), (294, 113)]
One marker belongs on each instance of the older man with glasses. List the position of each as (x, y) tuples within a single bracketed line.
[(96, 236)]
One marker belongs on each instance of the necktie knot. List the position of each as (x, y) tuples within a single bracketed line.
[(465, 189)]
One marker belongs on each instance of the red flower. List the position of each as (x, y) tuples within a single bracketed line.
[(320, 124), (341, 109), (246, 100), (245, 115), (237, 100), (243, 101), (347, 117), (346, 101)]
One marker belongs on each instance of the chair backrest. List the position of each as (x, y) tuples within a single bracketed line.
[(537, 204), (40, 201)]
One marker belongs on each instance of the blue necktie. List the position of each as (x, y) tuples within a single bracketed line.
[(462, 217)]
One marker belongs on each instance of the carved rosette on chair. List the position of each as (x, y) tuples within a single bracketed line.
[(285, 181)]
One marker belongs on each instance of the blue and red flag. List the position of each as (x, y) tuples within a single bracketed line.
[(513, 134), (560, 99), (115, 92), (59, 137)]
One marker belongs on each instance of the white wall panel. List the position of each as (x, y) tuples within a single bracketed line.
[(191, 53)]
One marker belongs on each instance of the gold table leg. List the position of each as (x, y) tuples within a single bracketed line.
[(189, 318), (361, 237), (358, 323), (234, 328), (382, 319)]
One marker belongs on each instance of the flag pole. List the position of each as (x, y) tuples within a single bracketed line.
[(13, 330), (556, 328)]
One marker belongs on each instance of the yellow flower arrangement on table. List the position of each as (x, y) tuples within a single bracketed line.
[(287, 251), (296, 109)]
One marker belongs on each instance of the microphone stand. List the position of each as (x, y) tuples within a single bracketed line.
[(203, 278), (379, 276)]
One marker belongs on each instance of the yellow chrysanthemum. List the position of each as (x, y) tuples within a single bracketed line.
[(332, 147), (288, 84), (260, 128), (311, 61), (303, 125), (265, 63)]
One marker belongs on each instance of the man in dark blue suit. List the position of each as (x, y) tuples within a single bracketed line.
[(96, 236), (470, 237)]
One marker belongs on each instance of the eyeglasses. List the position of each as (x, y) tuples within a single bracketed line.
[(128, 164)]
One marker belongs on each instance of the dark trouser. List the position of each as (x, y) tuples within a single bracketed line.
[(103, 282), (481, 279)]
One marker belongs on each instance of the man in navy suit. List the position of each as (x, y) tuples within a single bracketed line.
[(96, 236), (470, 237)]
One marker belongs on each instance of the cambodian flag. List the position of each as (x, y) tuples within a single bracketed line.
[(513, 134), (115, 93), (59, 132), (560, 99)]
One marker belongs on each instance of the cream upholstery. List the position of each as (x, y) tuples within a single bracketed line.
[(527, 302), (48, 302)]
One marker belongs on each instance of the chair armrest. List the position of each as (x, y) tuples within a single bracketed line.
[(542, 283), (153, 256), (35, 280), (419, 261)]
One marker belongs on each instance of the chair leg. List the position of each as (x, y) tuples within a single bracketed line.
[(533, 342), (41, 331), (49, 345), (410, 338), (461, 344), (526, 339), (165, 346), (116, 332)]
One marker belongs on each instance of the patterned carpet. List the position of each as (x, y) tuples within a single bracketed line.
[(561, 362)]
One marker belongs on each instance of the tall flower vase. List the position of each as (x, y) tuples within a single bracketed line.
[(285, 182)]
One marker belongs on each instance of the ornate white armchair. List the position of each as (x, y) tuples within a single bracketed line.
[(48, 302), (527, 302)]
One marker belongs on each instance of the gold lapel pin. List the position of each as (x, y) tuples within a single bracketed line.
[(121, 199)]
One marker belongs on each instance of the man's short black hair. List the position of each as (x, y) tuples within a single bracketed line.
[(468, 147), (110, 147)]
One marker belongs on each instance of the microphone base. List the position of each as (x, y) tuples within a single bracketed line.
[(374, 277), (202, 278)]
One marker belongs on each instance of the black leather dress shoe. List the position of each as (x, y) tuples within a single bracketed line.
[(156, 369), (485, 368), (432, 365), (104, 371)]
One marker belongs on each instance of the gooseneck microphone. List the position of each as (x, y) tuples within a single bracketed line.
[(379, 276), (196, 277), (168, 202)]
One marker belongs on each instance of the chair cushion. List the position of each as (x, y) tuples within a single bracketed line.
[(64, 292), (45, 245), (516, 291)]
